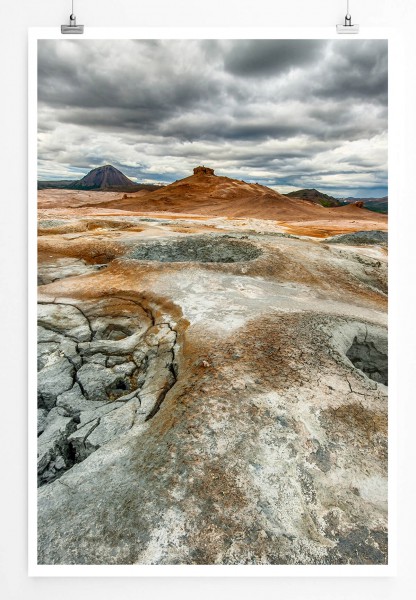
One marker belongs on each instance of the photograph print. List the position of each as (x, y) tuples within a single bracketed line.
[(212, 302)]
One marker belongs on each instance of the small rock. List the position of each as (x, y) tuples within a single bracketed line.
[(42, 414), (98, 359), (53, 448), (74, 402), (96, 381), (115, 423), (115, 360), (55, 378), (65, 319)]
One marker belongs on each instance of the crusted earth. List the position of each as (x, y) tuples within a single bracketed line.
[(211, 390), (103, 367)]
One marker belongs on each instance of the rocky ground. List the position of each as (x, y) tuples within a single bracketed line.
[(211, 390)]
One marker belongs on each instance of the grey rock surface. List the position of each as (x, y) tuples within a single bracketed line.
[(115, 423), (96, 381), (53, 448), (60, 268), (74, 401), (64, 319), (262, 471), (42, 414), (55, 378)]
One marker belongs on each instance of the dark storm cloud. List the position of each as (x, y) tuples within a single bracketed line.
[(256, 58), (355, 71), (267, 110)]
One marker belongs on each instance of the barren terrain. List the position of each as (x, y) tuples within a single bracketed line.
[(212, 382)]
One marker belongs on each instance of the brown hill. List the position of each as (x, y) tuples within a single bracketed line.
[(207, 194)]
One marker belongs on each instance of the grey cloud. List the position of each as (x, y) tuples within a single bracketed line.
[(82, 76), (355, 71), (154, 107), (257, 58), (335, 123)]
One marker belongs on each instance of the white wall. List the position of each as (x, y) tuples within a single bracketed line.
[(17, 16), (120, 13)]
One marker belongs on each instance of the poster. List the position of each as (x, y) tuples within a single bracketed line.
[(212, 305)]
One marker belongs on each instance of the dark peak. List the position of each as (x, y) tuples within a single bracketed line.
[(105, 168), (105, 177)]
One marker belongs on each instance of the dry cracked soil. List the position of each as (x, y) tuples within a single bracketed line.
[(211, 389)]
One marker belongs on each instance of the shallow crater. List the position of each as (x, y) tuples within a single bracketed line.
[(196, 249)]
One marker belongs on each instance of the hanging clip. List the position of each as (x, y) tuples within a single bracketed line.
[(72, 27), (348, 27)]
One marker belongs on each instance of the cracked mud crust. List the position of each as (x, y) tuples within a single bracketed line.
[(230, 410), (103, 368)]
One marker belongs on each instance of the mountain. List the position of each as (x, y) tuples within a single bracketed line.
[(315, 196), (106, 178), (103, 178), (379, 205)]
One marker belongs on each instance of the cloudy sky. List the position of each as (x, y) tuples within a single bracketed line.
[(289, 114)]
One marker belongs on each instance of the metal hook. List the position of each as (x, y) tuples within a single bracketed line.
[(72, 27), (348, 27)]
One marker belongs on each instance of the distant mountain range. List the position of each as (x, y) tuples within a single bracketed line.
[(61, 184), (106, 179), (109, 179), (379, 205)]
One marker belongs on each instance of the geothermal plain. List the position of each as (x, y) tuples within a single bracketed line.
[(212, 377)]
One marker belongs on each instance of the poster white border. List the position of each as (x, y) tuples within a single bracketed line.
[(395, 124)]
